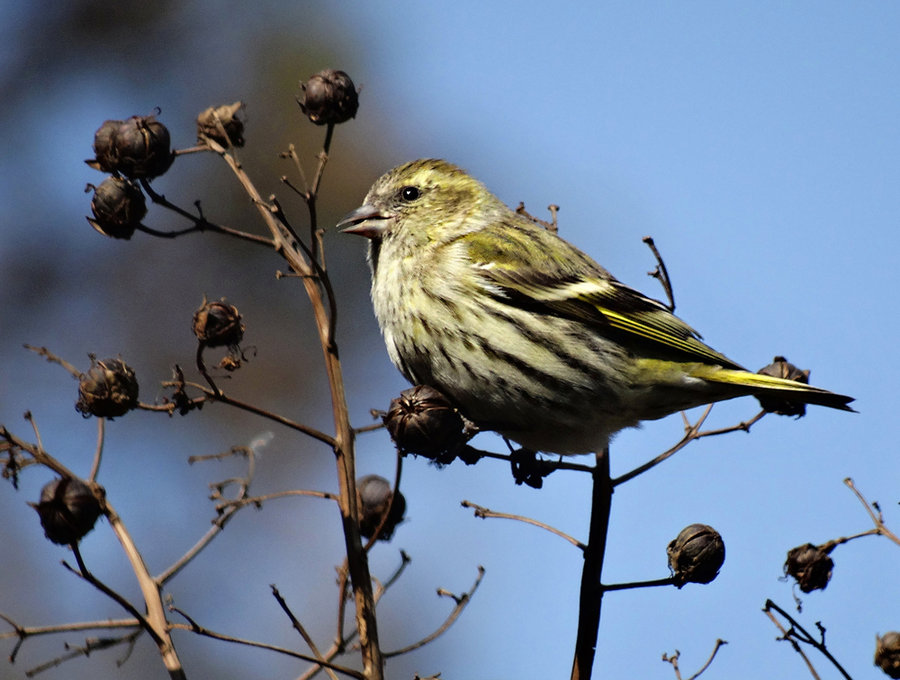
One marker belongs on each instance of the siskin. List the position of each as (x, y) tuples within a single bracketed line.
[(523, 332)]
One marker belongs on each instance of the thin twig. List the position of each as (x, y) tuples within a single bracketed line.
[(661, 273), (28, 631), (323, 159), (667, 581), (690, 434), (461, 602), (25, 632), (36, 451), (53, 359), (719, 643), (244, 406), (877, 518), (295, 622), (673, 660), (798, 633), (743, 426), (339, 646), (91, 645), (194, 627), (552, 225), (200, 223), (98, 452), (85, 574), (484, 513), (785, 636), (386, 513)]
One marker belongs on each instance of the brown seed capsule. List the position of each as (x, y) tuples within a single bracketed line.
[(104, 151), (810, 565), (141, 146), (421, 421), (329, 97), (118, 206), (217, 324), (222, 124), (782, 368), (696, 555), (373, 494), (109, 389), (887, 653), (68, 510)]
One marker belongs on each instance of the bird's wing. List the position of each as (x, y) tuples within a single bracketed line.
[(532, 268)]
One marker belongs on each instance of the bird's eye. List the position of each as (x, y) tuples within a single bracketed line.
[(410, 193)]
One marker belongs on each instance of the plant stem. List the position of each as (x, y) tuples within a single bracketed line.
[(156, 613), (591, 596)]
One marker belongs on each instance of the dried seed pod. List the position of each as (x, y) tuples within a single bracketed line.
[(218, 324), (68, 510), (373, 495), (141, 146), (109, 389), (810, 565), (782, 368), (118, 207), (887, 653), (329, 97), (104, 146), (421, 421), (696, 555), (222, 124)]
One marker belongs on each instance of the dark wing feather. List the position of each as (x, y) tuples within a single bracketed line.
[(532, 268)]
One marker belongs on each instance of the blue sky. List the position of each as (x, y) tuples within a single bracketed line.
[(757, 143)]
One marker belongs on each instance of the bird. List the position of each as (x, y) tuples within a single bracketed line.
[(521, 331)]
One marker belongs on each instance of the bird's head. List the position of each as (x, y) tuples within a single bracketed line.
[(420, 202)]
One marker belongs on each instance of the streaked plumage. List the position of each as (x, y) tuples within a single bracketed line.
[(526, 334)]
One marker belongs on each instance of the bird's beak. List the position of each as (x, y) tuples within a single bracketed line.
[(366, 220)]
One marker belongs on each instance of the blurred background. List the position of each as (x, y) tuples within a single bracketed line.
[(757, 143)]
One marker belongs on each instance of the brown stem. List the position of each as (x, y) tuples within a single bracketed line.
[(461, 602), (98, 453), (661, 273), (312, 279), (591, 596), (300, 628), (484, 513), (150, 588), (877, 518)]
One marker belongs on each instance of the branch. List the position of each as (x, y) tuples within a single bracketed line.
[(25, 632), (194, 627), (591, 595), (743, 426), (295, 622), (211, 395), (667, 581), (484, 513), (158, 625), (340, 645), (690, 434), (98, 452), (90, 646), (461, 602), (674, 660), (661, 273), (798, 634), (315, 282), (53, 359), (874, 513), (199, 221)]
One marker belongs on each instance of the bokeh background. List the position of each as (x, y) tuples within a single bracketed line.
[(757, 142)]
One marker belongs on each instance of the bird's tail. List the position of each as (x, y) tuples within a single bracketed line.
[(766, 387)]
